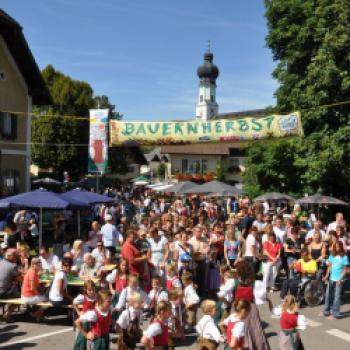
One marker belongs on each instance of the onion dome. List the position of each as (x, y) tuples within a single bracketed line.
[(208, 71)]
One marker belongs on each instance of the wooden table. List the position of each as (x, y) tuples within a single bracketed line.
[(72, 282), (109, 267)]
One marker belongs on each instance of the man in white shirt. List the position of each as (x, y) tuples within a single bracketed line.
[(259, 223), (339, 219), (317, 227), (280, 231), (48, 261), (110, 235)]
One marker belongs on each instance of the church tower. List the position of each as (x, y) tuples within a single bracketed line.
[(207, 106)]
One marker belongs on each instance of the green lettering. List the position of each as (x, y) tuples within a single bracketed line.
[(192, 128), (229, 126), (269, 121), (166, 129), (178, 128), (256, 126), (206, 127), (141, 129), (153, 127), (128, 129), (218, 127), (243, 125)]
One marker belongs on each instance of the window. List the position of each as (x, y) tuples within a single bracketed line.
[(8, 125), (10, 182), (236, 152), (234, 162), (212, 98), (184, 165), (201, 98), (204, 166)]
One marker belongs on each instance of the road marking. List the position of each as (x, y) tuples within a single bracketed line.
[(66, 330), (340, 334), (311, 323)]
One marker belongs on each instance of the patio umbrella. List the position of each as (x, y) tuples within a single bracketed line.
[(216, 187), (320, 199), (225, 194), (47, 181), (181, 187), (87, 197), (38, 199), (274, 196), (141, 180)]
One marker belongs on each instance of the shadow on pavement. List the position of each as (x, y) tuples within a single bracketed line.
[(20, 346), (8, 328), (5, 337)]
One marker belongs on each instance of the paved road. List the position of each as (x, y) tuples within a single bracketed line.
[(57, 333)]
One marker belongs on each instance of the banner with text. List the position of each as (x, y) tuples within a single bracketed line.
[(98, 144), (197, 131)]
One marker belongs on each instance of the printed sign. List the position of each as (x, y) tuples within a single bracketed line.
[(98, 144), (182, 132)]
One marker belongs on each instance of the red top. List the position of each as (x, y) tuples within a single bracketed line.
[(230, 327), (288, 321), (129, 252), (120, 283), (245, 293), (169, 282), (162, 339), (88, 304), (30, 276), (272, 248), (102, 325)]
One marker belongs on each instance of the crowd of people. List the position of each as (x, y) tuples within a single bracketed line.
[(172, 256)]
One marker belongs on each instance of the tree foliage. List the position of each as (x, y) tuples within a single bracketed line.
[(310, 40), (61, 142)]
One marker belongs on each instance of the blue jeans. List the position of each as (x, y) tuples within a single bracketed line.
[(291, 273), (333, 299)]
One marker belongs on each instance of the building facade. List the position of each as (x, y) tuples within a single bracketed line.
[(21, 86)]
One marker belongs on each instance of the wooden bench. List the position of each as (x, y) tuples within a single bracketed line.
[(45, 304)]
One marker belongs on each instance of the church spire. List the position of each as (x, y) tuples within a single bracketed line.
[(208, 72)]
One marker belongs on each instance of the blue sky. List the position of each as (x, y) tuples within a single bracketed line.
[(144, 54)]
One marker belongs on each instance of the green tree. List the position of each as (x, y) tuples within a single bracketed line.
[(310, 40), (220, 170), (161, 170), (61, 142)]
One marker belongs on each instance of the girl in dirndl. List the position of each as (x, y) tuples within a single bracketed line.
[(289, 337), (117, 281), (254, 338), (87, 301), (156, 336), (101, 320), (233, 326)]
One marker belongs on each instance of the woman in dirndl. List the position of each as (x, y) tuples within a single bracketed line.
[(254, 338), (118, 280)]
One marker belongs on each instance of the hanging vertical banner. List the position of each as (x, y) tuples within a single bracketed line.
[(98, 144)]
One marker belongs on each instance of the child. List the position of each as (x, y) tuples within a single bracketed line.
[(133, 287), (213, 277), (119, 279), (233, 325), (290, 320), (186, 264), (156, 294), (225, 295), (172, 279), (176, 320), (101, 319), (191, 299), (156, 337), (209, 334), (129, 322), (87, 300), (102, 283)]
